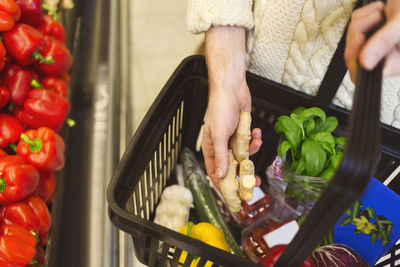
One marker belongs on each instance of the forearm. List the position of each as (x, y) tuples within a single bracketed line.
[(225, 53)]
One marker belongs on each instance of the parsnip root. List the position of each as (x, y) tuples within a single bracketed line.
[(229, 185)]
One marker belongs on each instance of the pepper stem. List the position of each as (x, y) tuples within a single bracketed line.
[(11, 106), (47, 60), (189, 229), (70, 122), (51, 11), (13, 147), (35, 235), (36, 84), (3, 184), (35, 145)]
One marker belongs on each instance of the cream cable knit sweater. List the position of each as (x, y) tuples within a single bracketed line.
[(292, 42)]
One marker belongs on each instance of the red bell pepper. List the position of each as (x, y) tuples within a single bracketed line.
[(3, 51), (43, 239), (46, 187), (66, 78), (43, 148), (17, 179), (38, 260), (3, 153), (17, 246), (62, 58), (43, 108), (18, 82), (53, 28), (10, 130), (52, 83), (31, 213), (4, 96), (31, 12), (9, 14), (23, 43), (5, 62)]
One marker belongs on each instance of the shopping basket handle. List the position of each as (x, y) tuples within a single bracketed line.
[(354, 173)]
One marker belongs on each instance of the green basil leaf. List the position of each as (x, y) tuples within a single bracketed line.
[(328, 173), (283, 148), (290, 129), (312, 113), (314, 156), (326, 140), (329, 125), (336, 159), (328, 148), (341, 141), (298, 110), (300, 167), (309, 127), (324, 137), (318, 125)]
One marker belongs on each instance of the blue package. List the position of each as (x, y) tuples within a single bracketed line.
[(371, 226)]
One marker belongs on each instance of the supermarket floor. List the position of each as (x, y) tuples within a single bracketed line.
[(159, 40)]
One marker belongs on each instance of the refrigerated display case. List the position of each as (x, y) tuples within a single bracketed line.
[(81, 233)]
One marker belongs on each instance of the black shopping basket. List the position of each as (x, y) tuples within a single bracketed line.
[(173, 123)]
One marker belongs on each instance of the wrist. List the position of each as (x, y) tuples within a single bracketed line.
[(225, 56)]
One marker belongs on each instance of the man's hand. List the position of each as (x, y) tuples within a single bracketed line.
[(229, 94), (384, 43)]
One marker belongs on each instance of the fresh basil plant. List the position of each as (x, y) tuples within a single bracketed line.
[(309, 146)]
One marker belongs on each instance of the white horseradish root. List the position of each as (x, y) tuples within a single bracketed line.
[(240, 147), (229, 185)]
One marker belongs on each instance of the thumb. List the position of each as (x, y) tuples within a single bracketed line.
[(221, 156)]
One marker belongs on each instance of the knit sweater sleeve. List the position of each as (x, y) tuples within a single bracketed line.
[(202, 14)]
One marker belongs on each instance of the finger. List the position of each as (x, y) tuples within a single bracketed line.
[(258, 181), (255, 146), (221, 155), (208, 152), (392, 62), (215, 181), (356, 38), (256, 141), (353, 48), (380, 44), (365, 10)]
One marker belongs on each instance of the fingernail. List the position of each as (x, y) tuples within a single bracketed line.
[(369, 61), (218, 172), (258, 134)]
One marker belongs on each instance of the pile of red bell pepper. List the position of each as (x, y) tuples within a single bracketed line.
[(34, 66)]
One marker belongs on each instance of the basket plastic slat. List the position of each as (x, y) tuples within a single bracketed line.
[(153, 254), (176, 257), (146, 179)]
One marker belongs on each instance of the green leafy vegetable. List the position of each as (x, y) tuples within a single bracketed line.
[(312, 113), (326, 140), (283, 148), (290, 129), (298, 110), (341, 141), (309, 127), (336, 159), (313, 149), (314, 156), (329, 125)]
